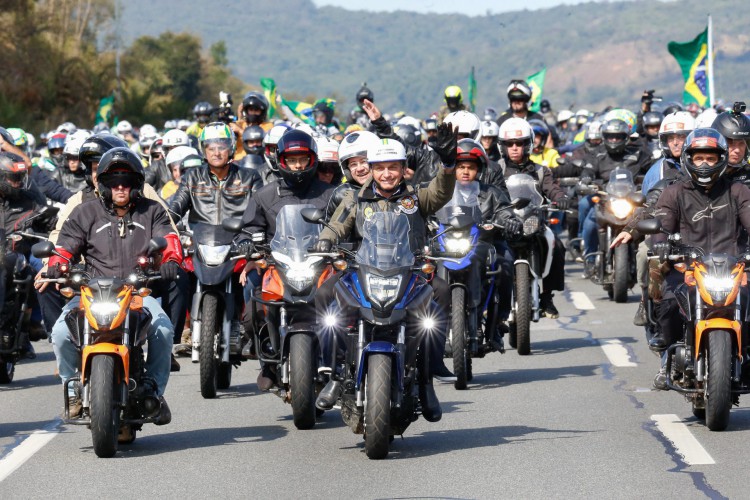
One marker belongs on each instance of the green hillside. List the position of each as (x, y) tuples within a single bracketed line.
[(596, 53)]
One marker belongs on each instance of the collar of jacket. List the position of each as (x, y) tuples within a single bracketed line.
[(232, 169), (368, 191)]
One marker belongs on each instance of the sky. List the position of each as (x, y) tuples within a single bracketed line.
[(470, 8)]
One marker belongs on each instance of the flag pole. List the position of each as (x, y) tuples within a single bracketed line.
[(710, 63)]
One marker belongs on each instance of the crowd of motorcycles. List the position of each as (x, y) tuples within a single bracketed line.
[(376, 350)]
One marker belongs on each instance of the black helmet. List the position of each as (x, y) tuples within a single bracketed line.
[(545, 106), (119, 165), (672, 107), (293, 142), (408, 135), (707, 140), (519, 90), (364, 93), (94, 147), (540, 130), (202, 112), (323, 108), (615, 135), (471, 150), (255, 100), (652, 119), (12, 169), (734, 126), (253, 133)]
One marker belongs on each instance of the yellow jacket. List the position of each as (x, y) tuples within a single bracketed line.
[(548, 157)]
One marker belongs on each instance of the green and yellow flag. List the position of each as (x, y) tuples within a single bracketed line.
[(472, 91), (693, 60), (104, 113), (536, 82), (269, 89)]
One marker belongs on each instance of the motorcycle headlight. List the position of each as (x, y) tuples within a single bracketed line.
[(718, 288), (213, 256), (104, 313), (531, 225), (382, 289), (621, 208), (299, 277), (457, 245)]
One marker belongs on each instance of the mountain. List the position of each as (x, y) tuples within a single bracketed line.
[(597, 54)]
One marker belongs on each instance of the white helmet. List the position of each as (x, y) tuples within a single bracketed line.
[(516, 129), (706, 118), (304, 127), (73, 146), (328, 150), (356, 144), (124, 127), (66, 128), (174, 138), (178, 154), (147, 135), (490, 129), (270, 140), (170, 124), (184, 124), (386, 150), (468, 123), (564, 115), (32, 141), (679, 122)]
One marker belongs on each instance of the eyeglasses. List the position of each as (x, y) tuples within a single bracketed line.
[(299, 161)]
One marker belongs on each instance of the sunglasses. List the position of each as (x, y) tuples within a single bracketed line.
[(115, 181), (515, 143)]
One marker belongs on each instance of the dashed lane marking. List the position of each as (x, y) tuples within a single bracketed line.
[(581, 301), (616, 353), (26, 449), (684, 442)]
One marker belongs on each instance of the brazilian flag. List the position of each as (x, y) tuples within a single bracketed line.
[(104, 113), (301, 110), (536, 82), (269, 89), (693, 60), (472, 91)]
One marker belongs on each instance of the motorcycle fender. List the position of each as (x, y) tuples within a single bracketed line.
[(550, 237), (210, 275), (531, 269), (706, 326), (118, 351), (380, 347), (287, 335)]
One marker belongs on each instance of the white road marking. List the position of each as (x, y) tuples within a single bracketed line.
[(616, 352), (24, 451), (684, 442), (581, 301)]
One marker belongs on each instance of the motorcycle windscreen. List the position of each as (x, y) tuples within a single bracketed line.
[(524, 186), (385, 242), (620, 183), (464, 203), (293, 234), (211, 235)]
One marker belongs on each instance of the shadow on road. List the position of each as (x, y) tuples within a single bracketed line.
[(504, 378), (37, 381), (8, 429)]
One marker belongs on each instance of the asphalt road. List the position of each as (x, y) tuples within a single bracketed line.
[(577, 418)]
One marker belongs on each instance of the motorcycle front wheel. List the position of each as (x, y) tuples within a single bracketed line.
[(523, 309), (458, 337), (207, 353), (718, 380), (302, 380), (378, 406), (105, 412), (622, 274)]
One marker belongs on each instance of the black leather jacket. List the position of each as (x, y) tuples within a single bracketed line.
[(211, 201)]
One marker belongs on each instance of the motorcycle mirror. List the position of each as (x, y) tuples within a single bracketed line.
[(43, 249), (156, 245), (649, 226), (232, 225), (312, 215), (520, 203), (638, 199)]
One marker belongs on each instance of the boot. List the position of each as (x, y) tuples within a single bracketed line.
[(174, 366), (329, 395), (266, 378), (640, 318), (165, 415), (660, 381), (442, 373), (547, 306), (431, 410)]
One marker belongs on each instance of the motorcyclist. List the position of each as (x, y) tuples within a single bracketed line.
[(489, 133), (124, 129), (542, 153), (323, 114), (157, 173), (430, 128), (253, 112), (519, 95), (71, 175), (328, 169), (709, 211), (354, 167), (269, 170), (252, 145), (387, 191), (146, 137), (651, 126), (516, 143), (453, 102), (734, 125), (176, 164), (129, 221), (55, 148), (202, 112)]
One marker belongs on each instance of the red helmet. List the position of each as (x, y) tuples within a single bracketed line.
[(296, 142), (471, 150)]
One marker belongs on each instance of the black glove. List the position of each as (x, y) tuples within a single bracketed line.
[(563, 203), (513, 227), (54, 272), (322, 246), (168, 270), (445, 144), (245, 248), (648, 96)]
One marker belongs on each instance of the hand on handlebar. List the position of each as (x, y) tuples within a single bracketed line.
[(621, 239)]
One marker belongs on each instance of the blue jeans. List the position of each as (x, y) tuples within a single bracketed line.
[(158, 360), (584, 207), (590, 232)]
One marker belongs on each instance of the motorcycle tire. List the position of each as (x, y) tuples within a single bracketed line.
[(224, 375), (206, 351), (7, 370), (718, 380), (622, 274), (105, 413), (302, 366), (523, 309), (458, 337), (378, 406)]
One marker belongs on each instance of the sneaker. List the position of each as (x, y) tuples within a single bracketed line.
[(660, 381), (547, 307), (184, 348), (640, 318), (174, 366), (443, 374), (266, 379), (165, 415)]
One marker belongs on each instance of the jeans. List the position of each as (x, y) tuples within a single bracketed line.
[(158, 360), (590, 232), (584, 207)]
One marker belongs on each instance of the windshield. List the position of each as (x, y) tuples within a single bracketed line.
[(385, 241), (524, 186), (208, 234), (620, 183), (465, 201), (293, 234)]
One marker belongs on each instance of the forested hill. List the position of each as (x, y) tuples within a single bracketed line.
[(596, 53)]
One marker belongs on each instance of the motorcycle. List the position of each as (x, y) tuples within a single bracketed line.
[(16, 292), (458, 230), (110, 328), (380, 397), (533, 250), (708, 365), (284, 319), (217, 336), (615, 269)]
